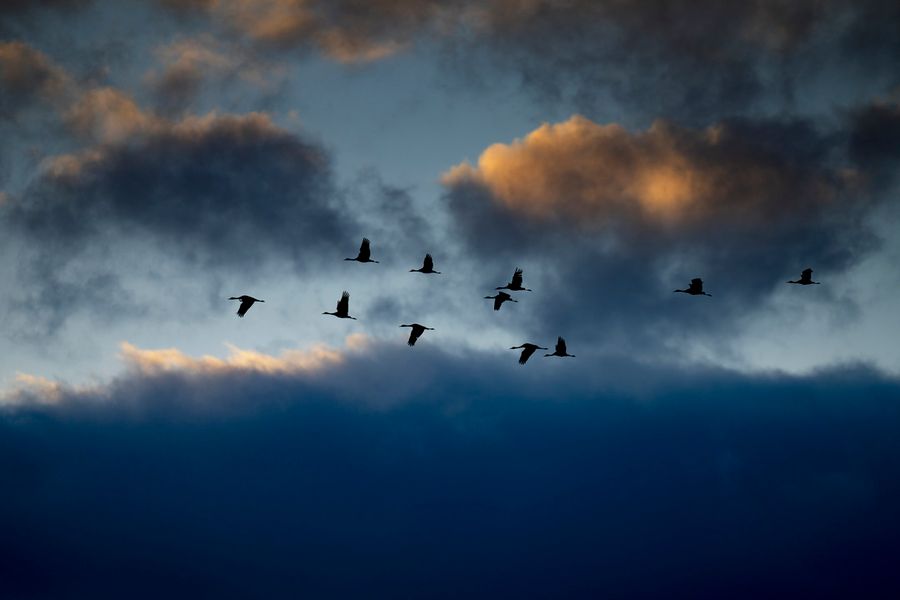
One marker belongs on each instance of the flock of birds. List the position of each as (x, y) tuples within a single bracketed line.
[(342, 311)]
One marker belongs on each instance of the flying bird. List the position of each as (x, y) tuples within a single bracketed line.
[(427, 266), (417, 330), (516, 283), (695, 289), (365, 254), (528, 350), (246, 303), (806, 278), (343, 308), (560, 349), (499, 299)]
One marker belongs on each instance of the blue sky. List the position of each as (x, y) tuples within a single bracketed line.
[(161, 156)]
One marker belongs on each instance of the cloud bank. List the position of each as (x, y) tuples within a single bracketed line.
[(480, 478)]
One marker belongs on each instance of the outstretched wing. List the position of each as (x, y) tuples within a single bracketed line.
[(516, 279), (244, 307), (526, 354), (806, 275), (498, 301), (560, 346), (364, 252), (696, 285), (417, 330), (429, 263), (343, 305)]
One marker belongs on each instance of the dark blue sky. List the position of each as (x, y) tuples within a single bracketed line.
[(160, 156)]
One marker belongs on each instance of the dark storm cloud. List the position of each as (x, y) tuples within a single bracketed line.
[(481, 478), (687, 60), (875, 137), (607, 222), (10, 7), (214, 193)]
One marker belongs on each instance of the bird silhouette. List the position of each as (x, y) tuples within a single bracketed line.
[(417, 330), (695, 289), (528, 350), (806, 278), (499, 299), (365, 254), (516, 283), (427, 266), (560, 348), (343, 308), (246, 303)]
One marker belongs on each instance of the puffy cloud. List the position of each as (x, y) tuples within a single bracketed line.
[(614, 220), (595, 173), (527, 470), (27, 75), (109, 115), (216, 192)]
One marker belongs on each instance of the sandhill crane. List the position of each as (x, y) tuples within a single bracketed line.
[(417, 330), (806, 278), (695, 289), (499, 299), (528, 350), (427, 266), (516, 283), (343, 308), (246, 303), (364, 253), (560, 349)]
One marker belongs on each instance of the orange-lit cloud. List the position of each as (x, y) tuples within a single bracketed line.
[(27, 75), (289, 362), (109, 115), (345, 33), (579, 169), (32, 389)]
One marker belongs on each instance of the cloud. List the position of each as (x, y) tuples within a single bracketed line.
[(607, 222), (107, 115), (150, 362), (525, 470), (27, 76), (348, 31), (23, 6), (192, 65), (686, 61), (598, 173), (216, 192), (876, 128)]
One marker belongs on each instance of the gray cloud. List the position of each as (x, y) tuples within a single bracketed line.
[(688, 60), (193, 67), (214, 193), (874, 136), (685, 60)]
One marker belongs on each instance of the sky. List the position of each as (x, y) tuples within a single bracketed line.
[(161, 156)]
